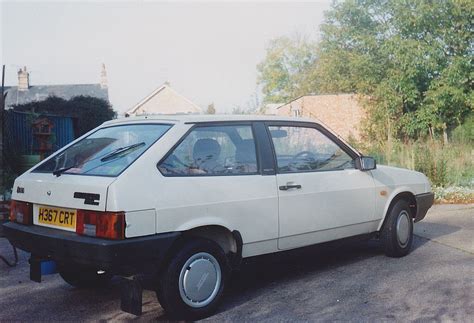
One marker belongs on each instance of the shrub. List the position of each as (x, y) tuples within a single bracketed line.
[(89, 111), (465, 132)]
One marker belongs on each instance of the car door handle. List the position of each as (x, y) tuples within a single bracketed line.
[(289, 186)]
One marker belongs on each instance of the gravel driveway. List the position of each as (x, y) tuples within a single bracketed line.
[(339, 282)]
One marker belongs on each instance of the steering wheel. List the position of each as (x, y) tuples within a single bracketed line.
[(305, 156)]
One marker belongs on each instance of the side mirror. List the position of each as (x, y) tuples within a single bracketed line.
[(365, 163)]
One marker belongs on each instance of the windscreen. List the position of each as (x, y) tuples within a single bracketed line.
[(106, 152)]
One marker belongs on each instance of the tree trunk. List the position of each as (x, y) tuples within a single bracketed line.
[(445, 134), (389, 142)]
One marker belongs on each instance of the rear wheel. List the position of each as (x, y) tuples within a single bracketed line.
[(84, 277), (191, 285), (397, 233)]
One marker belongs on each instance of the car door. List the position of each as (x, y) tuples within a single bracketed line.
[(321, 195), (216, 175)]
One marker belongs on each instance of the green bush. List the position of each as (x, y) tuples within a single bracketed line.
[(465, 132)]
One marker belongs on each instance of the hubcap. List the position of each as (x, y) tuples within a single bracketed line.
[(403, 228), (200, 280)]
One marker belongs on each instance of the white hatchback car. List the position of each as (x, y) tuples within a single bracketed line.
[(185, 198)]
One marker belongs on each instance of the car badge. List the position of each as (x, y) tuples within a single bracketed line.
[(49, 193)]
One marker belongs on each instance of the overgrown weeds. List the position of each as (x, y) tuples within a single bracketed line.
[(450, 167)]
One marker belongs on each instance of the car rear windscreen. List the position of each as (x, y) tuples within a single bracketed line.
[(105, 152)]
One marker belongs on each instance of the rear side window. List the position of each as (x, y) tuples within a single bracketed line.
[(300, 149), (213, 150), (106, 152)]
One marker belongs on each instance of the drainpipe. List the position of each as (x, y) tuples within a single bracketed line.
[(3, 126)]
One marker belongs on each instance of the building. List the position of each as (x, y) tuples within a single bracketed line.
[(164, 100), (343, 113), (25, 92), (271, 108)]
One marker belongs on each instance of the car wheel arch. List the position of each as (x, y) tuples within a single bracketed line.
[(403, 195), (219, 234), (230, 241)]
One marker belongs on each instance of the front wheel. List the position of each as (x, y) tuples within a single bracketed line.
[(191, 285), (397, 233)]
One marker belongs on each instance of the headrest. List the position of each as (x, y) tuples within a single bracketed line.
[(205, 149)]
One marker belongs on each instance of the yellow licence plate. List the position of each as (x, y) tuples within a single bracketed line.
[(65, 218)]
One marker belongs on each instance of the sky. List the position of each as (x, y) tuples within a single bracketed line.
[(207, 51)]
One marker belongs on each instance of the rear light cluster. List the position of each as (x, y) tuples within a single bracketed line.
[(109, 225), (21, 212)]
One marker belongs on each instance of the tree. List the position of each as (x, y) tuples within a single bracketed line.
[(252, 106), (211, 109), (241, 110), (412, 60), (283, 73), (88, 111)]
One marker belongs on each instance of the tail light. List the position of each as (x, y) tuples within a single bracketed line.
[(109, 225), (21, 212)]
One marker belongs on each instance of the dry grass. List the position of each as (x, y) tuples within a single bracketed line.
[(445, 165), (449, 167)]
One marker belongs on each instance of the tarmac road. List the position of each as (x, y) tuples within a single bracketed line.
[(340, 282)]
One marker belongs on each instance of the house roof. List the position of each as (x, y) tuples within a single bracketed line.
[(41, 92), (164, 100)]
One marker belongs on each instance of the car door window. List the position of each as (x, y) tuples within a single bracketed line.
[(213, 150), (300, 149)]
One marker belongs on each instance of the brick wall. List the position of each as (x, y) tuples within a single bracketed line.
[(341, 112)]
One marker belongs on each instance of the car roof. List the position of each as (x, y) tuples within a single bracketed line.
[(203, 118), (193, 118)]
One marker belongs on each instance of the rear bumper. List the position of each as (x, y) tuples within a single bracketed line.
[(423, 203), (119, 256)]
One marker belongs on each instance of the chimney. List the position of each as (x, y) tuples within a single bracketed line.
[(23, 79), (103, 77)]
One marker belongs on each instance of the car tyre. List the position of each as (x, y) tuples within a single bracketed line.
[(397, 233), (191, 284), (84, 277)]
